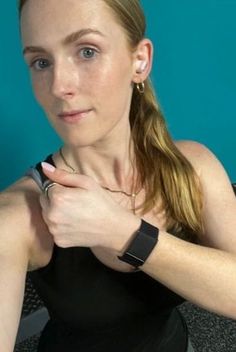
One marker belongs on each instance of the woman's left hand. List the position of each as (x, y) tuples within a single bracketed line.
[(79, 212)]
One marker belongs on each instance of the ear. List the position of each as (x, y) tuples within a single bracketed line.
[(142, 60)]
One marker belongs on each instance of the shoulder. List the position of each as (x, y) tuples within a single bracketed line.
[(203, 160), (20, 216), (20, 199), (206, 164), (219, 201), (197, 154)]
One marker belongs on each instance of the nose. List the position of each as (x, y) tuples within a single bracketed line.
[(65, 80)]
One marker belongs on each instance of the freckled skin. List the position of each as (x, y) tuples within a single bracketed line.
[(73, 80)]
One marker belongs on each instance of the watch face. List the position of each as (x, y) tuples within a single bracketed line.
[(142, 245)]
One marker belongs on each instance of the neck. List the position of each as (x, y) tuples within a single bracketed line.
[(111, 166)]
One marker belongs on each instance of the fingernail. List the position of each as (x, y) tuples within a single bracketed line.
[(48, 167)]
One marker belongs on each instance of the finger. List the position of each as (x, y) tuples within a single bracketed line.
[(43, 202), (45, 206), (67, 178)]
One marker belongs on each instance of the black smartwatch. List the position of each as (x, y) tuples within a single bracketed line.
[(141, 246)]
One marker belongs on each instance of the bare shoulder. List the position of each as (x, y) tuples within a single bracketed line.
[(219, 201), (204, 161), (20, 213), (197, 154)]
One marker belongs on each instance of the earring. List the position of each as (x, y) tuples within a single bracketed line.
[(140, 87)]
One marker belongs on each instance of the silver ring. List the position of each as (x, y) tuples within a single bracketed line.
[(47, 186)]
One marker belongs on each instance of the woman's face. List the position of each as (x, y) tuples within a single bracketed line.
[(81, 68)]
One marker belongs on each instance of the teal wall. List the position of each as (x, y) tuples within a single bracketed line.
[(194, 74)]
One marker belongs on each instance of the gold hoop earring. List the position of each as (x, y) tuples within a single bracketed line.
[(140, 87)]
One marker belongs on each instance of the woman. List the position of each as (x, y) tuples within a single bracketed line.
[(129, 223)]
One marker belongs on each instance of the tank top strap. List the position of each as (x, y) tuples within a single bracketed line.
[(36, 172)]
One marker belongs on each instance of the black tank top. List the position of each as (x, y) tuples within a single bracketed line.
[(94, 308)]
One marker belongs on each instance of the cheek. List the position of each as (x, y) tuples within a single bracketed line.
[(39, 86), (116, 87), (111, 80)]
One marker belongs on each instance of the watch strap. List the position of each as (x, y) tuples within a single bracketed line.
[(142, 245)]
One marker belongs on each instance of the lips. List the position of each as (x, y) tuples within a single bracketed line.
[(74, 115)]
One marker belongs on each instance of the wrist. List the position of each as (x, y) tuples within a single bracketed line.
[(141, 245), (127, 228)]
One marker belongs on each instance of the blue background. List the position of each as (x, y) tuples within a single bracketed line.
[(194, 74)]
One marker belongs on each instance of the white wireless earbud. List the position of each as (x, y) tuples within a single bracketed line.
[(141, 66)]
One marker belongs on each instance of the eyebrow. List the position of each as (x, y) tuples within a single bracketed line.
[(70, 39)]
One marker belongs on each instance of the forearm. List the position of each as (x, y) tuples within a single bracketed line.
[(202, 275)]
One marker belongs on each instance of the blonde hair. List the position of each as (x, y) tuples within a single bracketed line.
[(163, 170)]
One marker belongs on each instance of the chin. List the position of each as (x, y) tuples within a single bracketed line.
[(78, 141)]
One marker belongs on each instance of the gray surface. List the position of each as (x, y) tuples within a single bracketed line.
[(30, 345), (209, 332), (190, 346), (31, 324)]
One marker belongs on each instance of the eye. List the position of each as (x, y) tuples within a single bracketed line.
[(88, 53), (40, 64)]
